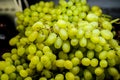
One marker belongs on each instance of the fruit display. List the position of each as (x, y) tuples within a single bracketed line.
[(65, 41)]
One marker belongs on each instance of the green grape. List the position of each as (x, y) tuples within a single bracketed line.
[(103, 55), (12, 76), (94, 39), (99, 71), (19, 78), (15, 57), (106, 34), (23, 73), (9, 69), (96, 32), (6, 54), (75, 70), (83, 42), (59, 77), (39, 53), (101, 77), (95, 26), (46, 49), (90, 45), (63, 34), (69, 12), (46, 73), (60, 63), (79, 54), (4, 64), (20, 51), (39, 66), (82, 15), (62, 55), (107, 25), (42, 78), (33, 36), (25, 65), (85, 61), (113, 71), (98, 48), (41, 37), (68, 64), (85, 8), (80, 33), (28, 78), (87, 74), (111, 62), (92, 17), (74, 41), (75, 61), (35, 60), (69, 76), (56, 28), (102, 41), (51, 39), (61, 23), (13, 51), (24, 40), (58, 43), (113, 42), (87, 34), (37, 26), (77, 78), (8, 61), (103, 63), (32, 65), (94, 62), (66, 46), (90, 54), (32, 48), (19, 67), (72, 32), (4, 77), (13, 41), (111, 54)]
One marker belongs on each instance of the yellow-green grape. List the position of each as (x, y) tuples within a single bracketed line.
[(51, 39), (103, 63), (46, 73), (6, 54), (4, 77), (19, 67), (80, 33), (59, 77), (61, 23), (106, 47), (32, 65), (69, 76), (58, 43), (15, 57), (75, 61), (74, 41), (111, 54), (79, 54), (92, 17), (33, 36), (19, 78), (66, 46), (75, 70), (111, 62), (41, 37), (101, 77), (46, 49), (99, 71), (72, 32), (12, 76), (28, 78), (98, 48), (68, 64), (62, 55), (56, 28), (87, 74), (106, 34), (83, 42), (13, 41), (13, 51), (113, 71), (25, 65), (88, 27), (37, 26), (107, 25), (95, 26), (60, 63), (102, 41), (113, 42), (63, 34), (20, 51), (94, 39), (23, 73), (90, 54), (9, 69), (28, 31), (96, 32), (42, 78), (32, 48), (8, 60), (103, 55), (88, 34), (39, 53), (90, 45), (24, 40), (35, 60), (77, 78), (40, 46), (85, 61), (94, 62), (39, 66)]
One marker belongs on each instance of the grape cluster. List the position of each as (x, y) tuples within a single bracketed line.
[(68, 41)]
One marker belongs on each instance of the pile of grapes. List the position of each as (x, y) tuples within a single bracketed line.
[(67, 41)]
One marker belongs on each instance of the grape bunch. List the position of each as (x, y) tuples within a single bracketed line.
[(65, 41)]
